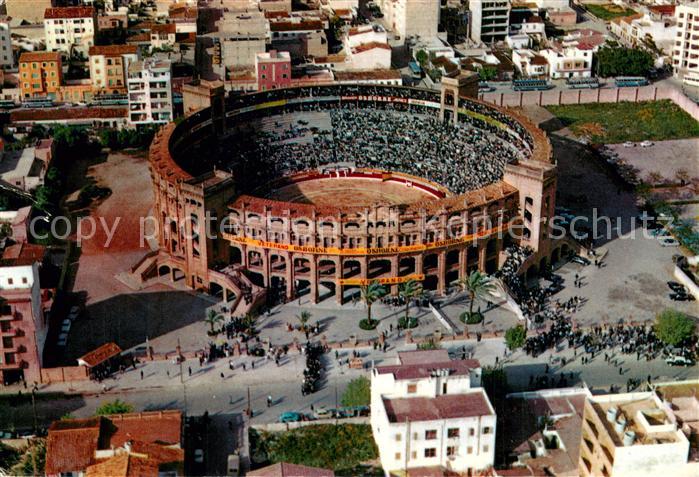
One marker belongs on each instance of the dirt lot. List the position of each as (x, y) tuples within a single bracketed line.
[(114, 312)]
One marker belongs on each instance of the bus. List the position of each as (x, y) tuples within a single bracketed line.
[(582, 83), (630, 81), (110, 100), (37, 103), (7, 104), (530, 85)]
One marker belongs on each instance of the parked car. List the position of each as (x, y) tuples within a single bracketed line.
[(647, 143), (679, 361), (659, 233), (199, 456), (62, 339), (669, 242), (629, 144), (291, 417), (580, 260)]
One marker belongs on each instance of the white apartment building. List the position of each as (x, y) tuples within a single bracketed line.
[(68, 28), (530, 64), (427, 412), (568, 62), (6, 57), (490, 20), (411, 18), (150, 92), (685, 55), (635, 435), (366, 48), (635, 31)]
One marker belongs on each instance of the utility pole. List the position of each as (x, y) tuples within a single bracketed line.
[(248, 411), (36, 427)]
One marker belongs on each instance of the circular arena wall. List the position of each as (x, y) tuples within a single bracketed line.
[(212, 222)]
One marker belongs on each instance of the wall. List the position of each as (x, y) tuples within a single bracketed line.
[(61, 375), (602, 95)]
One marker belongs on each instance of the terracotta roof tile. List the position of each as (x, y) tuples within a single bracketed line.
[(160, 427), (99, 355), (113, 50), (284, 469), (371, 46), (296, 26), (40, 56), (55, 114), (23, 254), (71, 445)]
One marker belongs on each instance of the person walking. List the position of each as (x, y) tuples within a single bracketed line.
[(269, 400), (141, 375)]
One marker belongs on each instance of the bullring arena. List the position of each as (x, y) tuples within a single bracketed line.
[(319, 190)]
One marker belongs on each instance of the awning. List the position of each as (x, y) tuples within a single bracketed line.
[(99, 355)]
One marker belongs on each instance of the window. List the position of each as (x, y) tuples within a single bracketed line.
[(397, 456), (431, 452), (453, 432), (472, 432), (412, 388), (469, 450), (9, 281), (486, 430), (24, 280), (399, 437), (451, 451), (430, 435)]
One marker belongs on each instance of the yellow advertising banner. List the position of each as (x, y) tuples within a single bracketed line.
[(383, 281), (363, 251)]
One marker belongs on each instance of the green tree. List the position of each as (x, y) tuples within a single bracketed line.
[(615, 60), (428, 344), (478, 285), (673, 327), (212, 319), (249, 321), (114, 407), (407, 291), (371, 293), (304, 317), (487, 73), (515, 337), (421, 56), (358, 392)]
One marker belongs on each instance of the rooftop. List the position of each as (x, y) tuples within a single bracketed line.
[(445, 406), (422, 364), (40, 56), (113, 50), (284, 469), (69, 12), (57, 114), (367, 75), (22, 254), (371, 46)]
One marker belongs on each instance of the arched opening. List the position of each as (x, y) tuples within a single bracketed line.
[(430, 263), (472, 254), (452, 260), (351, 268), (350, 293), (302, 265), (236, 255), (326, 289), (326, 268), (216, 290), (452, 277), (277, 263), (163, 270), (430, 283), (543, 265), (378, 268), (256, 278), (303, 287), (491, 247), (565, 250), (254, 258), (406, 266)]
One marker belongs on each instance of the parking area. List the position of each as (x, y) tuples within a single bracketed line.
[(665, 158)]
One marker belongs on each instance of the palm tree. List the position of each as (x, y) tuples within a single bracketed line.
[(249, 321), (212, 319), (478, 285), (407, 291), (304, 317), (371, 293)]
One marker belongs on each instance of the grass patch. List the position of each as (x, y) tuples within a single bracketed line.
[(612, 123), (341, 448), (609, 11)]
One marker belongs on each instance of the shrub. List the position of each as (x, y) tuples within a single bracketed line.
[(358, 392), (515, 336), (368, 325), (114, 407), (428, 345), (471, 318), (673, 327)]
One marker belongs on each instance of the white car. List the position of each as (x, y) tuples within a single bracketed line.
[(629, 144), (62, 339), (669, 242), (199, 456), (646, 143)]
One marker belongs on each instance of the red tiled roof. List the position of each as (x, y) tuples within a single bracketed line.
[(57, 114), (164, 28), (426, 472), (284, 469), (445, 406), (71, 444), (69, 12), (124, 465), (113, 50), (160, 427), (663, 9), (40, 56), (421, 364), (539, 60), (138, 37), (23, 254), (99, 355), (366, 74)]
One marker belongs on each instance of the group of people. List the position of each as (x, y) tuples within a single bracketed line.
[(313, 372), (461, 157)]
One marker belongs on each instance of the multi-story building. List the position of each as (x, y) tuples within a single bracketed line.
[(23, 322), (685, 55), (302, 34), (109, 66), (634, 435), (69, 28), (568, 61), (530, 64), (273, 70), (366, 48), (6, 57), (490, 20), (645, 31), (40, 74), (150, 92), (428, 411), (411, 18)]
